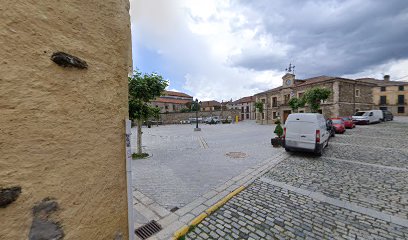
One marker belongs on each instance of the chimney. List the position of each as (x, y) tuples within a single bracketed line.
[(387, 78)]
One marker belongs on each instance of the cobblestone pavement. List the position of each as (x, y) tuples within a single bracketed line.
[(357, 190)]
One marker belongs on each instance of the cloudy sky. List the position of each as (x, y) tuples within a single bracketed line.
[(222, 49)]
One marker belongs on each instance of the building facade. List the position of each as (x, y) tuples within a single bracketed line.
[(210, 105), (348, 96), (247, 107), (172, 101), (390, 95)]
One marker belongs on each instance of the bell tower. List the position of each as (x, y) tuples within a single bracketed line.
[(289, 77)]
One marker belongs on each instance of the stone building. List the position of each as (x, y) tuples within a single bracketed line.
[(247, 107), (348, 96), (210, 105), (390, 95), (62, 119), (172, 101)]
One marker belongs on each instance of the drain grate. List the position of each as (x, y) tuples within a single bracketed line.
[(236, 155), (148, 230), (174, 209)]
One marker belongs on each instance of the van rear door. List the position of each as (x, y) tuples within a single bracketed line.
[(301, 134)]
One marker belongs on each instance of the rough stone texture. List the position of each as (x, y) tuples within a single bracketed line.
[(62, 129), (8, 195), (67, 60), (43, 227)]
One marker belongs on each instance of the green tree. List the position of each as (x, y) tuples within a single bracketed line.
[(296, 103), (314, 96), (142, 89), (260, 107)]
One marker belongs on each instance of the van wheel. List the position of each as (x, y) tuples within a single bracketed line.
[(319, 153), (287, 149)]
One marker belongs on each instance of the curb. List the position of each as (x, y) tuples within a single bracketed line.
[(184, 230)]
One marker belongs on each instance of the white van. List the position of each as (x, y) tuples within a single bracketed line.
[(367, 117), (306, 132)]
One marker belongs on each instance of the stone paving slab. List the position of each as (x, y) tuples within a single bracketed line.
[(181, 169), (187, 213), (265, 211)]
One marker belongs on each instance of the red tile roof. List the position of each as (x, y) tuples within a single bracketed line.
[(211, 103), (170, 100), (176, 94), (245, 100)]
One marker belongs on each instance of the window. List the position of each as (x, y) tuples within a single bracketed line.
[(274, 102), (247, 116), (166, 107), (383, 108), (242, 109), (247, 108), (400, 88), (357, 92), (401, 110), (263, 115), (287, 97), (383, 89), (301, 111), (263, 100), (401, 99), (274, 115), (383, 100)]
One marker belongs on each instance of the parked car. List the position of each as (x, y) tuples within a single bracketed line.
[(348, 122), (338, 125), (212, 120), (367, 117), (387, 115), (306, 132), (330, 128)]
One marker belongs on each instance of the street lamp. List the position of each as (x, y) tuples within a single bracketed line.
[(197, 106)]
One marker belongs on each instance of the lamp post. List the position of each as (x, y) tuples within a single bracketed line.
[(197, 106)]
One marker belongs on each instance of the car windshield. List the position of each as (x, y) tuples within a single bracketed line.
[(346, 119), (337, 121), (360, 113)]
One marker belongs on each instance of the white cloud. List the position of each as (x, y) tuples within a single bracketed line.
[(198, 38), (230, 49), (397, 68)]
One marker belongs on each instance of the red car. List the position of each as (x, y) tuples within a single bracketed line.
[(338, 125), (348, 122)]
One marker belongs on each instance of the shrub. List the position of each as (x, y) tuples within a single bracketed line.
[(278, 130)]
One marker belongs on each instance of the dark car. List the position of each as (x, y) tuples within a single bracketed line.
[(387, 115), (330, 128)]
